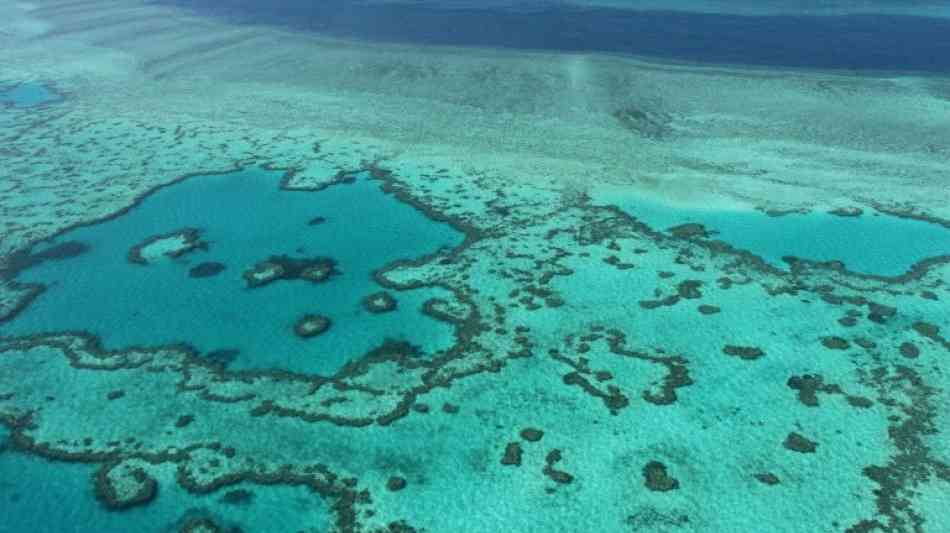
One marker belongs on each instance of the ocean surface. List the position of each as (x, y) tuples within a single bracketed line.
[(860, 41), (238, 297)]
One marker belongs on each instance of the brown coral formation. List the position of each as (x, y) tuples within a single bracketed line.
[(173, 244), (379, 302), (282, 267)]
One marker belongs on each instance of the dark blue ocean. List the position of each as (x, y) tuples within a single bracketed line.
[(852, 42)]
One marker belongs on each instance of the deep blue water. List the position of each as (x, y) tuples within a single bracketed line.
[(882, 42), (245, 218)]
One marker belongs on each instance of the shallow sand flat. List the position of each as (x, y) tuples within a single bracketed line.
[(811, 397)]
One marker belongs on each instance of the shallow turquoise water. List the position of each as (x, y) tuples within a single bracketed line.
[(42, 496), (870, 244), (246, 218), (27, 95)]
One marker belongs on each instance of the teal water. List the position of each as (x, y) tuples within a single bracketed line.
[(870, 244), (245, 218), (27, 94), (42, 496)]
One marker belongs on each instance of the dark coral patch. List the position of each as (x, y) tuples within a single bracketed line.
[(689, 289), (311, 326), (615, 261), (657, 479), (558, 476), (880, 313), (835, 343), (241, 497), (670, 300), (379, 302), (808, 387), (859, 401), (512, 456), (614, 398), (847, 212), (206, 270), (798, 443), (395, 484), (282, 267), (927, 329), (532, 434), (848, 321), (867, 344), (749, 353), (690, 231), (909, 350), (932, 332)]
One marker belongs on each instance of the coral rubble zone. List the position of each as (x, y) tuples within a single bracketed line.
[(604, 376)]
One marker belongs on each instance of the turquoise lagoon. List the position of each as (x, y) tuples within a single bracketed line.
[(27, 94), (245, 217), (54, 497), (871, 243)]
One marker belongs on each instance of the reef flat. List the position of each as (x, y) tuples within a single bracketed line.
[(602, 371)]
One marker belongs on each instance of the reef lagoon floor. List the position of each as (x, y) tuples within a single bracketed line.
[(258, 275)]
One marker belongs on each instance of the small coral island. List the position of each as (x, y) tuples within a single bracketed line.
[(311, 326), (315, 270), (379, 302), (167, 245)]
